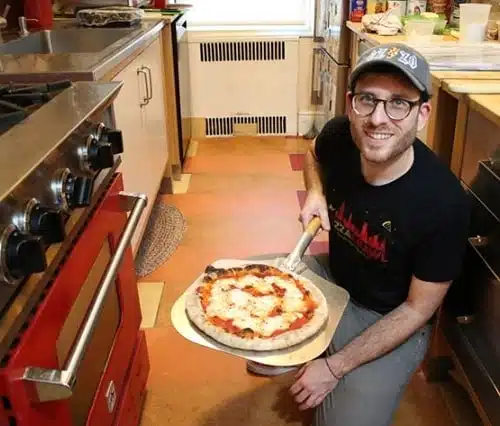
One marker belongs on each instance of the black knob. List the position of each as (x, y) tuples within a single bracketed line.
[(79, 191), (25, 255), (47, 223), (100, 155), (114, 137)]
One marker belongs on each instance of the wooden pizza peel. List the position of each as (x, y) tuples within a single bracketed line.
[(336, 297)]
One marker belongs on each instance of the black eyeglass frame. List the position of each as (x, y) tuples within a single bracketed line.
[(412, 104)]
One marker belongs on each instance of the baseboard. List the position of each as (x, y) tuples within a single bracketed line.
[(166, 186)]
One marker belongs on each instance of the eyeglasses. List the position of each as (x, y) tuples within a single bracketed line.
[(396, 108)]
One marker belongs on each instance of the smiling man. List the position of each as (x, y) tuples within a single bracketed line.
[(398, 221)]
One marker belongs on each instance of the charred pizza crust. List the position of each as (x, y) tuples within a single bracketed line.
[(311, 322)]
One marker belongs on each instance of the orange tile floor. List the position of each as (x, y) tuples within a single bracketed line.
[(242, 201)]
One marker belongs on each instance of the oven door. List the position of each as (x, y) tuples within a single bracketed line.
[(70, 365)]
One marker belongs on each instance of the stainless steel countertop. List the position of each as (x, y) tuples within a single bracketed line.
[(78, 66), (24, 147)]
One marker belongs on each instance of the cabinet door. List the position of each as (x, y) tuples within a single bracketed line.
[(130, 118), (156, 129)]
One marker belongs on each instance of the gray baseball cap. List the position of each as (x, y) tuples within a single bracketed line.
[(410, 62)]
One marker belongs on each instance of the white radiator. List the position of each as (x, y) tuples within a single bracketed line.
[(250, 81)]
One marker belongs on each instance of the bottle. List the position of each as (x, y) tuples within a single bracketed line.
[(38, 14)]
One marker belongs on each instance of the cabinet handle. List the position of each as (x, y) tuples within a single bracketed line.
[(146, 99), (150, 83)]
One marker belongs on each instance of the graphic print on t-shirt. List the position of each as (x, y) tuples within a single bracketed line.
[(371, 245)]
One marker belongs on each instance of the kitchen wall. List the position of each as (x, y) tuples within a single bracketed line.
[(305, 74)]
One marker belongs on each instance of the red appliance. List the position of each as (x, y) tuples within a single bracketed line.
[(38, 13), (71, 349)]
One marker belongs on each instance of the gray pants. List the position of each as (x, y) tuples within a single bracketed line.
[(370, 394)]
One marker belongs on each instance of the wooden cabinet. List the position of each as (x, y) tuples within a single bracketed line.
[(140, 114)]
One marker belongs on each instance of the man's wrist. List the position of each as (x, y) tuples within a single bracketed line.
[(316, 191), (337, 365)]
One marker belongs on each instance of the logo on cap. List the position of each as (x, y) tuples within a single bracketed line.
[(401, 55)]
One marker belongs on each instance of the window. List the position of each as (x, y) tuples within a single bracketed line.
[(252, 14)]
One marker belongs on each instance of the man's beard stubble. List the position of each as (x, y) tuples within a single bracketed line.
[(405, 141)]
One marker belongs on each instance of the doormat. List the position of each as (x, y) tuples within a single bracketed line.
[(164, 232)]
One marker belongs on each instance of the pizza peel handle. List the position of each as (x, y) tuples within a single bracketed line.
[(308, 235)]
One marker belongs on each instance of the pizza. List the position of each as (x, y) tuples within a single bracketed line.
[(256, 307)]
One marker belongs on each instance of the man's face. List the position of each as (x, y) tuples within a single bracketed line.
[(379, 137)]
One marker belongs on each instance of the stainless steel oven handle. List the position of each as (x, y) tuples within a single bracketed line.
[(51, 385)]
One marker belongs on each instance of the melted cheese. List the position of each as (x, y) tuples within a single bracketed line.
[(272, 324), (229, 301), (289, 286), (239, 297), (248, 322), (294, 304), (263, 305)]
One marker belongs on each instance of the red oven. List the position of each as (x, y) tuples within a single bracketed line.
[(81, 358)]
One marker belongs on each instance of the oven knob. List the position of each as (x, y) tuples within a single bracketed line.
[(80, 195), (72, 191), (47, 223), (114, 137), (100, 155), (24, 254), (42, 221)]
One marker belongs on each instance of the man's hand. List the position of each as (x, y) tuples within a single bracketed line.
[(315, 205), (314, 382)]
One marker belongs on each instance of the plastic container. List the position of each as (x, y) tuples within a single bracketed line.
[(474, 21), (38, 14), (420, 30), (440, 25)]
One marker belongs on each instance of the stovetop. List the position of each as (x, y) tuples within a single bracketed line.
[(55, 163), (18, 101)]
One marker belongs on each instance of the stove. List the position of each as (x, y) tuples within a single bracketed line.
[(70, 344), (18, 101)]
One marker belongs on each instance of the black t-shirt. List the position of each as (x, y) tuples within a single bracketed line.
[(382, 235)]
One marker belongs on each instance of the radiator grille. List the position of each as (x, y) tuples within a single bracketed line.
[(224, 126), (235, 51)]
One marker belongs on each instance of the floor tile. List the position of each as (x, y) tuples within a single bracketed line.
[(181, 186), (297, 161), (255, 203), (318, 247), (236, 164), (289, 181), (301, 196), (192, 149), (150, 297)]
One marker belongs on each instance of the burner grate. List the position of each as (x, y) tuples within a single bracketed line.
[(19, 101)]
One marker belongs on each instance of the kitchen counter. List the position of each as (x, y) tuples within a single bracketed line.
[(487, 105), (436, 41), (86, 66), (357, 28)]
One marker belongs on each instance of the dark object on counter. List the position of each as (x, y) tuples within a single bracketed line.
[(110, 16)]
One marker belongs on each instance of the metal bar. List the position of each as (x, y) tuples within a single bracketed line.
[(150, 82), (145, 100)]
